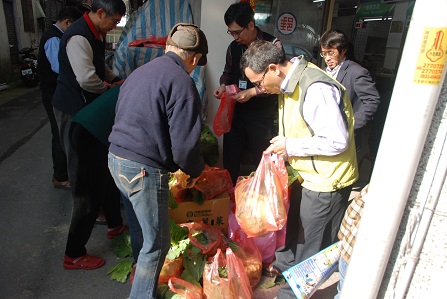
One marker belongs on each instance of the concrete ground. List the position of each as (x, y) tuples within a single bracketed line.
[(35, 217)]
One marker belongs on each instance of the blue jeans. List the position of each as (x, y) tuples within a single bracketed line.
[(147, 190), (342, 268)]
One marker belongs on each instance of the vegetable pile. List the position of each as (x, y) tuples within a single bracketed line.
[(193, 248)]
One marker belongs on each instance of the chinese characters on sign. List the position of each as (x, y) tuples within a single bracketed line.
[(432, 57), (286, 23)]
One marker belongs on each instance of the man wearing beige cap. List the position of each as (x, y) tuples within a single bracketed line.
[(157, 131)]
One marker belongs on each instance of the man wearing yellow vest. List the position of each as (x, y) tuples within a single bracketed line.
[(316, 134)]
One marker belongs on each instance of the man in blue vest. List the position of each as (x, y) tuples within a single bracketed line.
[(48, 68), (83, 76), (316, 134)]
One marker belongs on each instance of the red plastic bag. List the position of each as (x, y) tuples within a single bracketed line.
[(266, 244), (234, 285), (185, 289), (213, 181), (205, 237), (262, 200), (150, 42), (177, 185), (171, 268), (224, 114), (250, 256)]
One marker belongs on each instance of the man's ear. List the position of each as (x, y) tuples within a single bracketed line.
[(274, 68), (101, 13), (195, 59), (251, 25), (67, 23)]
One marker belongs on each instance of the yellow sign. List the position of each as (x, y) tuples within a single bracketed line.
[(432, 57)]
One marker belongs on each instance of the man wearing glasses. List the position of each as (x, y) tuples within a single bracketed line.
[(360, 86), (316, 134), (253, 123)]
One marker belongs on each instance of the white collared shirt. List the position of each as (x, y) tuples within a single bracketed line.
[(322, 113), (334, 71), (285, 83)]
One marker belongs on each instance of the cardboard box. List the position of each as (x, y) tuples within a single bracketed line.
[(213, 212)]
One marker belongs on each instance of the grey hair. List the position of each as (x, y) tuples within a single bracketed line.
[(184, 54), (260, 54)]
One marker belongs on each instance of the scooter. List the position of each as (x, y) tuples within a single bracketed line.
[(28, 67)]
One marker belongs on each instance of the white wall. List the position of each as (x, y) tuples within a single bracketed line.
[(212, 23), (196, 7)]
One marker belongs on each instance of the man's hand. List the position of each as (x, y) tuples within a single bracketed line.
[(190, 182), (277, 146), (219, 91), (245, 95)]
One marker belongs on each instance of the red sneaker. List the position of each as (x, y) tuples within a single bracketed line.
[(117, 231), (85, 262)]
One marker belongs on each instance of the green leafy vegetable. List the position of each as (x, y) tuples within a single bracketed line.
[(222, 272), (197, 196), (121, 245), (293, 174), (120, 271), (179, 240), (230, 243), (177, 249), (172, 203), (201, 237), (163, 292), (178, 233), (194, 263), (210, 147)]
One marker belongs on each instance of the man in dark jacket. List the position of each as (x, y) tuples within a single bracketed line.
[(83, 76), (157, 131), (360, 86), (255, 112), (48, 68)]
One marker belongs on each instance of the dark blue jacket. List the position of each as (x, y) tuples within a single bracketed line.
[(362, 91), (158, 121)]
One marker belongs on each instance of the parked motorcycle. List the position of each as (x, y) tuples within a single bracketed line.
[(28, 67)]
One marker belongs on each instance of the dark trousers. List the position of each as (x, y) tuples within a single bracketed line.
[(58, 156), (93, 186), (250, 133), (313, 223)]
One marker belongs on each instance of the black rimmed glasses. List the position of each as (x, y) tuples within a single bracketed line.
[(329, 53), (260, 83), (115, 21), (235, 33)]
